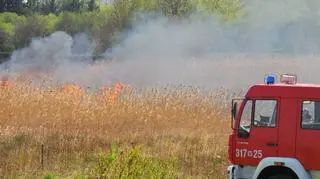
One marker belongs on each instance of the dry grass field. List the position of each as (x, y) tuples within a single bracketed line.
[(169, 132)]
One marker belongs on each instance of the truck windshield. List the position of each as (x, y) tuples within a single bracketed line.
[(245, 121), (264, 115)]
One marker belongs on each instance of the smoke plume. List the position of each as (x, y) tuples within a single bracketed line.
[(274, 36)]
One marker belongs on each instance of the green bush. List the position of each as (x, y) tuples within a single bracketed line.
[(33, 26), (179, 8), (9, 20), (51, 20), (227, 9), (6, 45), (133, 164), (100, 28), (71, 23)]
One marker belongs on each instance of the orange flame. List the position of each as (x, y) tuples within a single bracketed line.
[(5, 83), (72, 89), (112, 94)]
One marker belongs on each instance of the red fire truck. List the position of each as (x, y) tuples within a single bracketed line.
[(276, 131)]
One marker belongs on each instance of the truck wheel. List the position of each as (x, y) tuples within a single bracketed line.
[(282, 176)]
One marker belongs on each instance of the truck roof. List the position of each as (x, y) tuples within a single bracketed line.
[(299, 90)]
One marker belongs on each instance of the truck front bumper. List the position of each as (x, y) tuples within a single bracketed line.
[(240, 172), (230, 171)]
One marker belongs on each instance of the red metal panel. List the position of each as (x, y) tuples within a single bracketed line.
[(287, 127), (261, 143), (307, 144)]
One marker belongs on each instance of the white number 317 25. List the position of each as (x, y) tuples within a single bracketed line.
[(244, 153)]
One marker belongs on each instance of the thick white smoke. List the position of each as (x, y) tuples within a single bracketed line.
[(275, 36)]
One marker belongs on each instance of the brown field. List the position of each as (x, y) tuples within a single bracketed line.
[(180, 131)]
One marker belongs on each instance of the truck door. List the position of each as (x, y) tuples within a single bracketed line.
[(308, 134), (257, 133)]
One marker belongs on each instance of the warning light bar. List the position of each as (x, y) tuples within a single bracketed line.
[(270, 79), (288, 79)]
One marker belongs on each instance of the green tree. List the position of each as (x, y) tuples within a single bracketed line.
[(33, 5), (92, 5), (14, 6), (73, 5), (50, 6), (2, 5)]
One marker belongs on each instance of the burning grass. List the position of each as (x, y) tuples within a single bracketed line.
[(158, 132)]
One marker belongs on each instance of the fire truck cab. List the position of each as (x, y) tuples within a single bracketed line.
[(276, 131)]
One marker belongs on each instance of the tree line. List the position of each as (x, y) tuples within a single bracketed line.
[(22, 20), (25, 7)]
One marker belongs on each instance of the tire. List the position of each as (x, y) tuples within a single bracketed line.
[(282, 176)]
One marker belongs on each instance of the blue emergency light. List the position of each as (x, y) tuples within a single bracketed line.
[(270, 79)]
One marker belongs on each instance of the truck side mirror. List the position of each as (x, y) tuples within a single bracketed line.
[(233, 113), (234, 110), (243, 133)]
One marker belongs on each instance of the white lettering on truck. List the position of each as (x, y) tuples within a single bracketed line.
[(244, 153)]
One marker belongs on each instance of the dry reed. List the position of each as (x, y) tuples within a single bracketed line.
[(61, 129)]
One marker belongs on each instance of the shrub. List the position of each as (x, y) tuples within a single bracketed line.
[(133, 164), (33, 26), (6, 45), (9, 20), (180, 8)]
